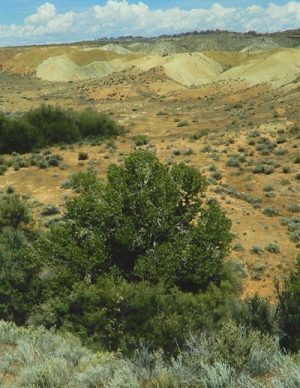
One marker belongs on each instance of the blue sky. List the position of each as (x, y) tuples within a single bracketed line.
[(38, 21), (15, 11)]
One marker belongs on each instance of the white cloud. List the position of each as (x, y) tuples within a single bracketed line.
[(116, 18), (44, 13)]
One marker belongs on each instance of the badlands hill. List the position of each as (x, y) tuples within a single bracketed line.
[(188, 60)]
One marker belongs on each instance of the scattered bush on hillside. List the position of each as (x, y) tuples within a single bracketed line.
[(293, 225), (141, 140), (83, 156)]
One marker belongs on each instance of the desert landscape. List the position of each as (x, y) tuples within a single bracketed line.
[(150, 211), (228, 104)]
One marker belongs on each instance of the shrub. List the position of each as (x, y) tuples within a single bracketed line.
[(238, 247), (256, 249), (294, 208), (293, 225), (93, 123), (141, 140), (83, 156), (263, 169), (233, 162), (137, 229), (268, 188), (258, 269), (295, 130), (217, 175), (199, 134), (289, 312), (187, 152), (49, 125), (297, 159), (14, 211), (43, 164), (163, 198), (257, 313), (270, 212), (50, 210), (286, 169), (54, 160), (182, 123), (273, 248)]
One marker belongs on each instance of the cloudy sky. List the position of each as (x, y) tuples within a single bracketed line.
[(34, 22)]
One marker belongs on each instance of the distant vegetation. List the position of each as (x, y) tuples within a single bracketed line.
[(49, 125)]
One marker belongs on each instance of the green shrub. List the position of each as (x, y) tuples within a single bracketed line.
[(273, 248), (50, 210), (83, 156), (256, 249), (141, 140), (49, 125), (54, 160), (238, 247), (263, 169), (257, 313), (93, 123), (14, 211), (297, 159), (137, 227), (258, 269), (182, 123), (293, 225), (294, 208), (270, 212), (233, 162), (289, 311), (295, 130)]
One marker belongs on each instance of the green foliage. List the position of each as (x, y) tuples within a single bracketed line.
[(92, 123), (130, 255), (83, 156), (289, 310), (49, 125), (18, 271), (273, 248), (257, 313), (19, 275), (182, 123), (293, 225), (256, 249), (193, 261), (263, 169), (144, 216), (141, 140), (115, 314), (270, 212), (14, 211)]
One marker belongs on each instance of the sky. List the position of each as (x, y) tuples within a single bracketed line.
[(41, 22)]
